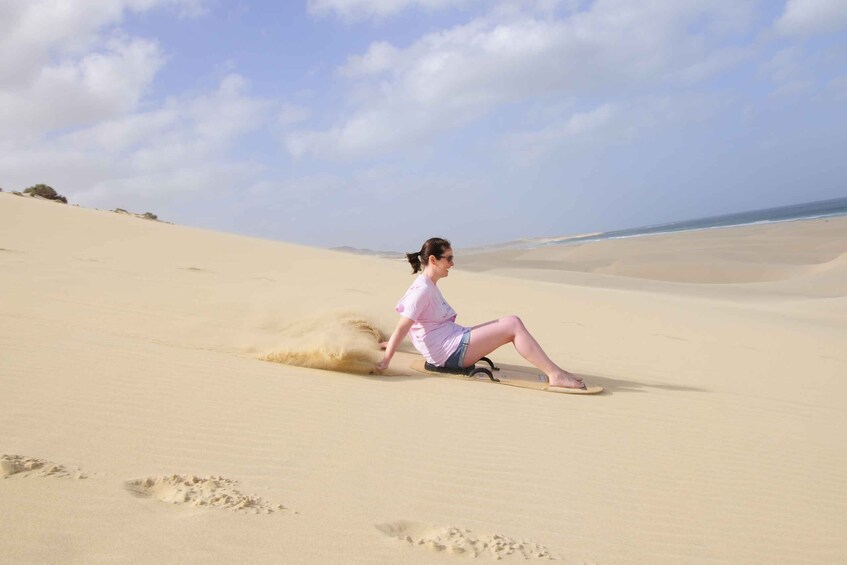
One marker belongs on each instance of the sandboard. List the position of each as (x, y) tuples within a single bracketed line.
[(512, 375)]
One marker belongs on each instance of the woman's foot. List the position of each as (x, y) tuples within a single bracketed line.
[(566, 380)]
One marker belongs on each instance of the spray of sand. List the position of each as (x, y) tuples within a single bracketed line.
[(342, 342)]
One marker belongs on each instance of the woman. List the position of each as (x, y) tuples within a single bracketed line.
[(432, 323)]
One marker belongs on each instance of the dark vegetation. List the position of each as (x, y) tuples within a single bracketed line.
[(145, 215), (47, 192)]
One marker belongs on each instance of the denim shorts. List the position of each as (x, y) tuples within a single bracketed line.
[(456, 360)]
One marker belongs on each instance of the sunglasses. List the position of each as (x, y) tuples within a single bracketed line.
[(448, 257)]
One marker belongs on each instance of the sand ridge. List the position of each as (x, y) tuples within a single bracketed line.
[(770, 253)]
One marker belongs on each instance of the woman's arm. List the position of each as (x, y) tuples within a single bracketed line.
[(403, 327)]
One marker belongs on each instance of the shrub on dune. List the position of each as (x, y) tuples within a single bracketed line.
[(47, 192)]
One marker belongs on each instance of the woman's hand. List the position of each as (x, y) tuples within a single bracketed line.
[(390, 346)]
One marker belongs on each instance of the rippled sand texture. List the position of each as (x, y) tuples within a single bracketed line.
[(135, 355)]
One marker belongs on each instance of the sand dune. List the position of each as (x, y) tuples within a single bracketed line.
[(133, 352), (745, 254)]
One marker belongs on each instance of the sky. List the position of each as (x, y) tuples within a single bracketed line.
[(380, 123)]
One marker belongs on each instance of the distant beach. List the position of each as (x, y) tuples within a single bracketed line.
[(807, 210)]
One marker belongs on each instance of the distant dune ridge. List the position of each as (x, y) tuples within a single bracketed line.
[(744, 254), (133, 355), (360, 251)]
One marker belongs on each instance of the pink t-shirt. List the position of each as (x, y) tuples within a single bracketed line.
[(435, 332)]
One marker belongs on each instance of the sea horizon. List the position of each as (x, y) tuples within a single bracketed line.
[(832, 207)]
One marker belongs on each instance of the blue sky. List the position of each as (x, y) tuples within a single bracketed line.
[(379, 123)]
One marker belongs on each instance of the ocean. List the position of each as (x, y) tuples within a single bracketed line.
[(808, 210)]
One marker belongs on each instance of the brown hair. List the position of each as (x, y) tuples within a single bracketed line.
[(434, 246)]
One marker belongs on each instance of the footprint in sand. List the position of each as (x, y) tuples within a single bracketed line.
[(211, 492), (463, 542), (23, 466)]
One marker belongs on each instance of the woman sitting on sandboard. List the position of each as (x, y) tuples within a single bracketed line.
[(444, 343)]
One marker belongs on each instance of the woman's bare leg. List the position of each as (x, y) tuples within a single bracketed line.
[(487, 337)]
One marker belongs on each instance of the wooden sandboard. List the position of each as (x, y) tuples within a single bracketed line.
[(511, 375)]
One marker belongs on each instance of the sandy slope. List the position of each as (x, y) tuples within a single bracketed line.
[(146, 428)]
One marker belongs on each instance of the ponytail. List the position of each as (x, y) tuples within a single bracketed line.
[(415, 260)]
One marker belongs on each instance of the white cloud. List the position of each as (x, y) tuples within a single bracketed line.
[(31, 32), (99, 85), (301, 193), (147, 158), (71, 91), (290, 114), (366, 9), (789, 71), (185, 141), (357, 10), (609, 125), (379, 58), (65, 63), (713, 63), (36, 33), (448, 78), (811, 17), (527, 146)]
